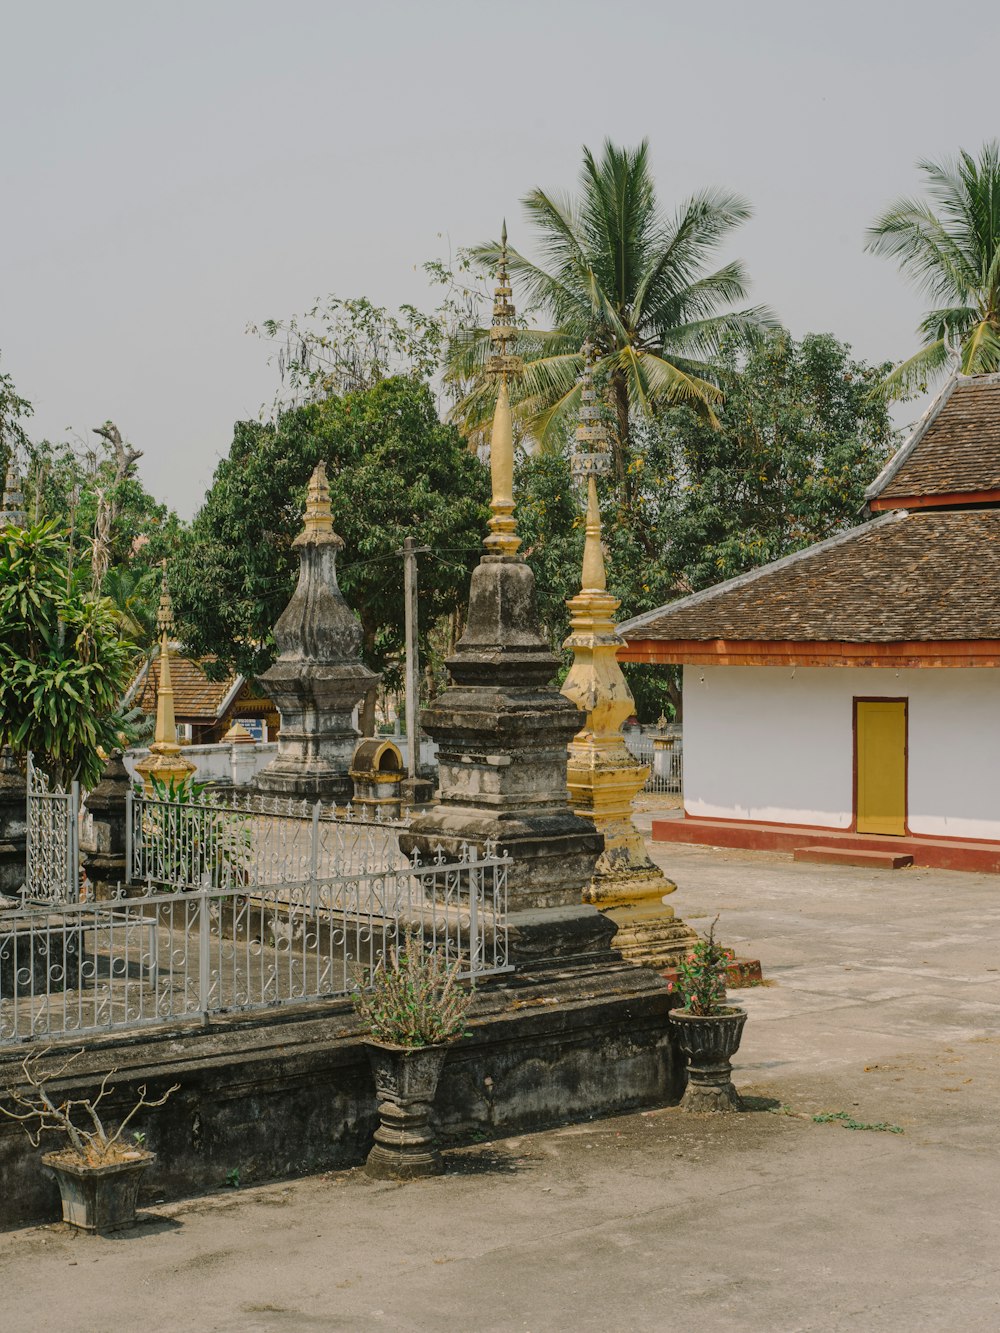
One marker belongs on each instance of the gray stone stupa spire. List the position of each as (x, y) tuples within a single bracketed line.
[(319, 677)]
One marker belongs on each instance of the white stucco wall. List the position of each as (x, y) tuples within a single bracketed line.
[(776, 745)]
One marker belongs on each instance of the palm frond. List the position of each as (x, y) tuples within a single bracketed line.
[(915, 374)]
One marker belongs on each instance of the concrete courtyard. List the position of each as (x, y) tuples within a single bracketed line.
[(882, 1006)]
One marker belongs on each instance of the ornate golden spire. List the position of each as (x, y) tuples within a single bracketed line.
[(590, 458), (318, 523), (503, 538), (165, 762)]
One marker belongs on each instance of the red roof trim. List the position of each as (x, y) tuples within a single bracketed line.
[(934, 501), (731, 652)]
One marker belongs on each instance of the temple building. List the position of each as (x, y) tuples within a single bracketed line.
[(205, 709), (845, 699)]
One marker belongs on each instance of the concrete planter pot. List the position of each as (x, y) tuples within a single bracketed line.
[(99, 1198), (709, 1041), (406, 1079)]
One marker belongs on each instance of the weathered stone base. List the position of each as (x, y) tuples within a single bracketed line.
[(648, 931), (711, 1097), (285, 1096)]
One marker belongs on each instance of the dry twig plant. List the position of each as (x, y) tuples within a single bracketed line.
[(37, 1112)]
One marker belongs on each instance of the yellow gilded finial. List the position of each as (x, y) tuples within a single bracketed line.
[(503, 538), (317, 524)]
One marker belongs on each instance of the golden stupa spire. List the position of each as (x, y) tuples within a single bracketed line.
[(165, 762), (166, 725), (503, 538), (317, 525)]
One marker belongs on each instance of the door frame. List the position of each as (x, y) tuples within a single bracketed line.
[(880, 699)]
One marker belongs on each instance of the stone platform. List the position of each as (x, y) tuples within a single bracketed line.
[(291, 1093)]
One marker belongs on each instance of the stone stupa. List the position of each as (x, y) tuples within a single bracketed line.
[(502, 727), (319, 678)]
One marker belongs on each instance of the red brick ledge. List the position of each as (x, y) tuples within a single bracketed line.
[(935, 853)]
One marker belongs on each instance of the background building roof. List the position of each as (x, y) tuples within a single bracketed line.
[(926, 576), (954, 451)]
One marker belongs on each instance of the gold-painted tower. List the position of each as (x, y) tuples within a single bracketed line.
[(165, 763), (603, 777)]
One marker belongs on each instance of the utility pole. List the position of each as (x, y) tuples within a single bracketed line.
[(409, 553)]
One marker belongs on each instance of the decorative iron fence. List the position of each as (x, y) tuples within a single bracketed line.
[(166, 957), (664, 753), (53, 851), (228, 841)]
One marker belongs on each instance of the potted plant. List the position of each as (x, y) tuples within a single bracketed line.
[(413, 1008), (708, 1030), (98, 1172)]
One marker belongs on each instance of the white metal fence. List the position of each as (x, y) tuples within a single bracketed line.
[(239, 841), (663, 751), (235, 906)]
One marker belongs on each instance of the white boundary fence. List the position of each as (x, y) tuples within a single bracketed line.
[(241, 906), (165, 957), (664, 753)]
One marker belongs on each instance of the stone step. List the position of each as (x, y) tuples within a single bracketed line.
[(853, 856)]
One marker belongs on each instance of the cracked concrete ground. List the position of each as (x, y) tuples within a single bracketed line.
[(884, 1006)]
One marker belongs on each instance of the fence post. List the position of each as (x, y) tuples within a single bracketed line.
[(204, 953), (475, 879), (314, 860), (129, 812)]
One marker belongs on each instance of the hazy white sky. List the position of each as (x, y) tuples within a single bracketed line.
[(172, 171)]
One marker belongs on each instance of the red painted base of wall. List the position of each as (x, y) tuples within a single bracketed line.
[(939, 853)]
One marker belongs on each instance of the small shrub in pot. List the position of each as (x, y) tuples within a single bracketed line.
[(414, 1006), (708, 1030)]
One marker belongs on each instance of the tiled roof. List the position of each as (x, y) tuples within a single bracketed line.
[(954, 450), (196, 698), (928, 575)]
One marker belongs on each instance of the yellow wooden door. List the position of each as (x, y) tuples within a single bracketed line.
[(880, 738)]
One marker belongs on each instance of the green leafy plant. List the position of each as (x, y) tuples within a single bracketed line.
[(701, 976), (233, 1178), (847, 1121), (415, 997), (64, 665)]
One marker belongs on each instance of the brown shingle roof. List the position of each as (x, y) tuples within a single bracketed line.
[(929, 575), (954, 450), (196, 698)]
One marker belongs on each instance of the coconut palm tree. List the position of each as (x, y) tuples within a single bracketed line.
[(614, 269), (950, 245)]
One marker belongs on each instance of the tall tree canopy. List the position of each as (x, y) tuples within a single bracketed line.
[(614, 268), (395, 471), (950, 246)]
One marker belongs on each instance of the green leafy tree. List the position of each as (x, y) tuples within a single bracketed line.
[(65, 483), (950, 246), (64, 664), (614, 268), (394, 469)]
